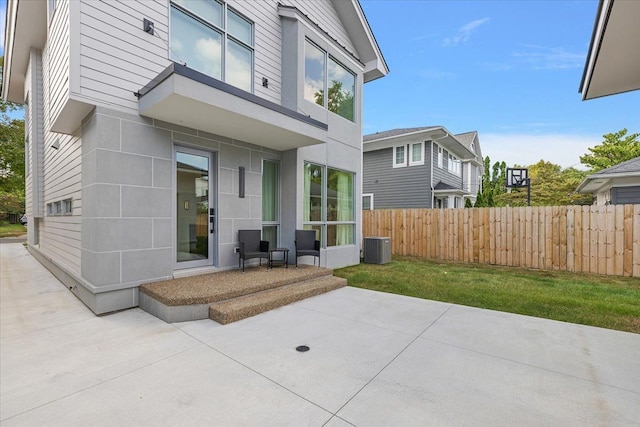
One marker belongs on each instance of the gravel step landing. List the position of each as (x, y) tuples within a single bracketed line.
[(224, 285), (249, 305)]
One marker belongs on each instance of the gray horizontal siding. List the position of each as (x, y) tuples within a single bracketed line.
[(443, 174), (406, 187), (60, 235), (625, 195), (112, 45), (56, 63)]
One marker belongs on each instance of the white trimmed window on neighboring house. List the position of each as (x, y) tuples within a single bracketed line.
[(212, 38), (367, 201), (439, 156), (453, 164), (399, 156), (416, 154)]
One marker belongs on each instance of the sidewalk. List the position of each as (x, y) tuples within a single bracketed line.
[(374, 359)]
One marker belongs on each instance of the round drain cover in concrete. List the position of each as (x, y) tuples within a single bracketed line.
[(302, 348)]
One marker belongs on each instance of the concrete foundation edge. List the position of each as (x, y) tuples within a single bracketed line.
[(99, 303), (173, 314)]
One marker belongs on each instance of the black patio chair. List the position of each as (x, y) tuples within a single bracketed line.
[(307, 245), (252, 247)]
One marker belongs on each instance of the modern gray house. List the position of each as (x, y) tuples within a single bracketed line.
[(617, 185), (155, 130), (423, 167)]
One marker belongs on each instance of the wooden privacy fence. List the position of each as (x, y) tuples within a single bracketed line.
[(589, 239)]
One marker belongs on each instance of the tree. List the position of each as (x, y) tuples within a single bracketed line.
[(493, 184), (616, 148), (550, 186), (11, 159), (340, 101)]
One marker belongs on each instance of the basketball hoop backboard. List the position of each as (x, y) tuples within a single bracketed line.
[(517, 177)]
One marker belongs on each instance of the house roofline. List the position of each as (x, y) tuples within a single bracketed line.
[(387, 141), (591, 54)]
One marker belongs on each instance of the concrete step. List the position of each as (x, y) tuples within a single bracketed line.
[(249, 305)]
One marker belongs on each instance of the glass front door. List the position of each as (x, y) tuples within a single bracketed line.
[(195, 210)]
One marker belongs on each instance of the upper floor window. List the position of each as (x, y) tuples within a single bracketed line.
[(324, 75), (213, 39), (417, 154), (399, 156), (453, 164)]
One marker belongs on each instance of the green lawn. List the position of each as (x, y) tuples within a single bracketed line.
[(12, 230), (605, 301)]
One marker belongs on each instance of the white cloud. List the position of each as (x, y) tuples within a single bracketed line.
[(464, 32), (549, 58), (311, 87), (207, 53), (432, 73), (522, 149)]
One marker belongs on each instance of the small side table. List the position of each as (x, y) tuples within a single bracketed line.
[(284, 260)]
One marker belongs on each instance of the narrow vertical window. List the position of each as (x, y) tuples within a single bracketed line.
[(313, 212), (270, 202), (340, 208), (341, 92), (239, 59), (399, 156), (314, 69)]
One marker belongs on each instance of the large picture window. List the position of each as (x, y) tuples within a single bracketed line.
[(328, 83), (329, 204), (213, 39)]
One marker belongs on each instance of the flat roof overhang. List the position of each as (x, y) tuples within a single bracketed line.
[(189, 98), (451, 192), (25, 28), (596, 182), (613, 62)]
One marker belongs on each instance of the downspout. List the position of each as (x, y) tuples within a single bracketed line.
[(431, 183)]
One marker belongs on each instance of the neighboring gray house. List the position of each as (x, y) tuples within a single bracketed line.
[(617, 185), (423, 167), (156, 129)]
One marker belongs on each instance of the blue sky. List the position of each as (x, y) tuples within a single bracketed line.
[(509, 69)]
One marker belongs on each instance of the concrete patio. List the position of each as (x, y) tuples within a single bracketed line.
[(374, 359)]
